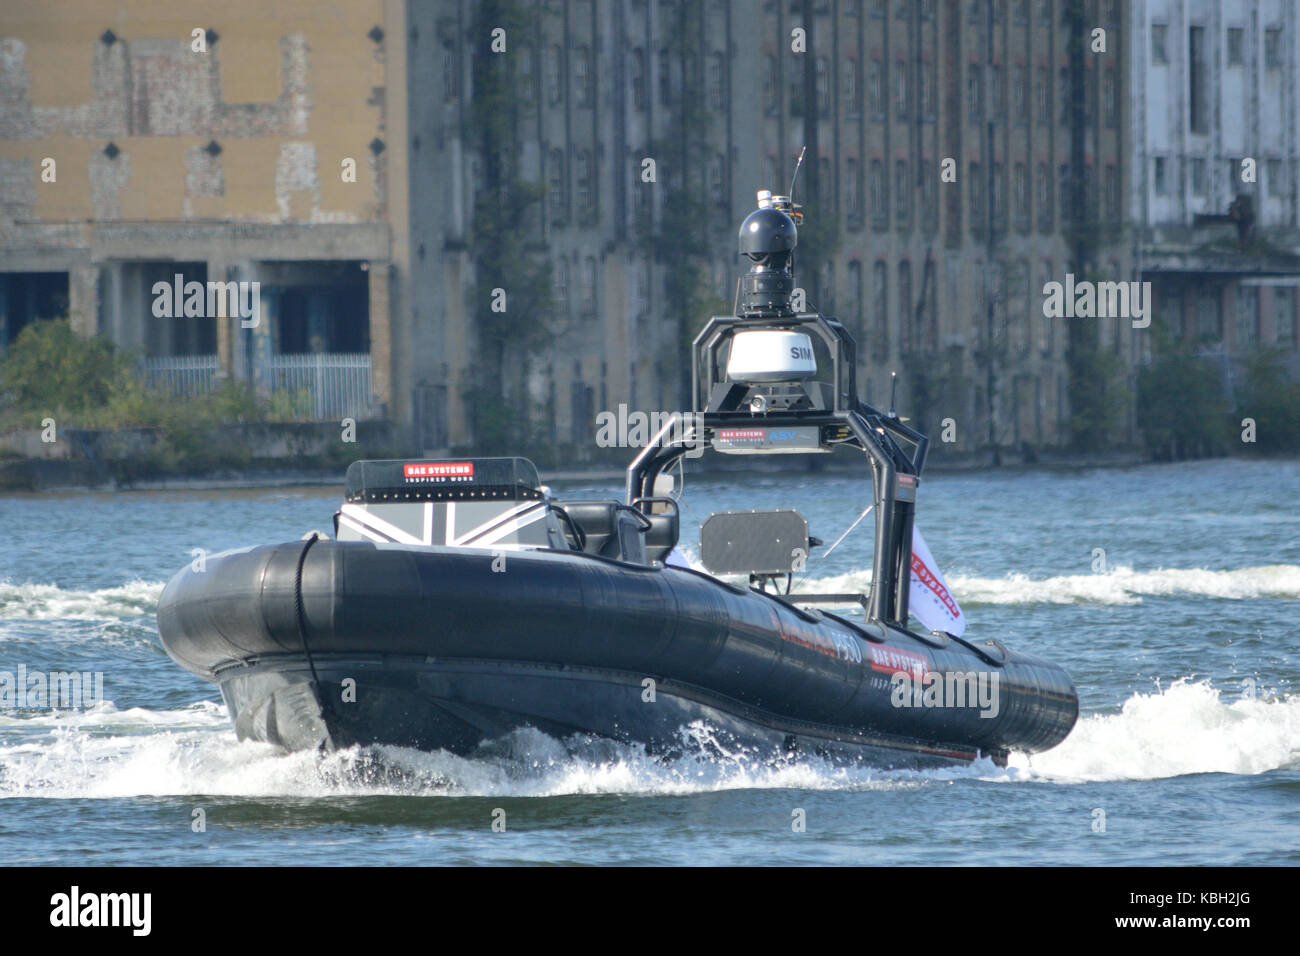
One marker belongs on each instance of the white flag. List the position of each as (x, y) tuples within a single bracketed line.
[(929, 598)]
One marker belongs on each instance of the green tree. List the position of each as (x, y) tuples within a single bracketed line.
[(505, 219)]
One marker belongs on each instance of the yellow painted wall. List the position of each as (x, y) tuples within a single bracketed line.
[(61, 38)]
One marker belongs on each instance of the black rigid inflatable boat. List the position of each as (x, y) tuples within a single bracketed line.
[(460, 601)]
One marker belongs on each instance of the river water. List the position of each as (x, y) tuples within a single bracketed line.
[(1181, 633)]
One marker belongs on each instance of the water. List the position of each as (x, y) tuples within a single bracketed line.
[(1185, 651)]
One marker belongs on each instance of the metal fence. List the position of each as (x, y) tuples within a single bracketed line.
[(182, 374), (328, 385), (338, 384)]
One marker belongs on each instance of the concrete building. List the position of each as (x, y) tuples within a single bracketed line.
[(185, 143), (954, 147), (1215, 157), (939, 277)]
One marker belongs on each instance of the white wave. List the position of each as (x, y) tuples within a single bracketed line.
[(1118, 586), (105, 753), (1185, 729), (78, 762), (48, 601)]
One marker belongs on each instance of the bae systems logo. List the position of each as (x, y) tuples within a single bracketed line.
[(438, 472)]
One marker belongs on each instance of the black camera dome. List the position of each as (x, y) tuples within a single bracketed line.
[(767, 231)]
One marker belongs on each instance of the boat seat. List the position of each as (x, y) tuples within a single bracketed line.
[(662, 536), (611, 528)]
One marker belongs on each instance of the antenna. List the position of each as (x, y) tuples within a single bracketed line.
[(893, 391), (798, 163)]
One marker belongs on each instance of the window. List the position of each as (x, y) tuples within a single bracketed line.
[(1065, 202), (555, 182), (524, 74), (906, 334), (997, 195), (637, 68), (996, 97), (450, 72), (586, 205), (1276, 179), (974, 94), (1063, 95), (902, 192), (879, 213), (850, 85), (900, 88), (1109, 97), (1284, 317), (876, 88), (1273, 48), (718, 180), (1112, 194), (1234, 176), (717, 83), (769, 85), (822, 72), (666, 77), (1042, 104), (1159, 54), (1161, 176), (560, 287), (976, 183), (929, 195), (582, 75), (880, 308), (1198, 101), (1198, 177), (1045, 12), (1022, 196), (852, 191), (1020, 95), (589, 286), (1044, 198), (554, 86), (1236, 56), (1247, 316), (927, 93), (858, 293), (825, 183), (641, 192), (1209, 317)]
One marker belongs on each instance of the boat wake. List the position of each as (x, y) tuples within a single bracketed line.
[(48, 601), (1121, 585), (106, 753), (1187, 728)]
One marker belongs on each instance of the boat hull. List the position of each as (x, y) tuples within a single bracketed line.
[(334, 644)]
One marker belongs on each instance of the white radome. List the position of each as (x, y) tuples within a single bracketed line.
[(771, 355)]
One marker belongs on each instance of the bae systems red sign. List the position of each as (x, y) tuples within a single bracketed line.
[(890, 660), (436, 471)]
